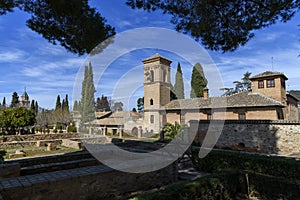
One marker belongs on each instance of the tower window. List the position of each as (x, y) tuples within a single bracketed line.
[(164, 75), (270, 83), (242, 116), (151, 102), (209, 117), (261, 84), (152, 119), (151, 76)]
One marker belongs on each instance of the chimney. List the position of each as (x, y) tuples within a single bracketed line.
[(205, 93)]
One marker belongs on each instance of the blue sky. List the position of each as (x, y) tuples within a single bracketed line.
[(28, 60)]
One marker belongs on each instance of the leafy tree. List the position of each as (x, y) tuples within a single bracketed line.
[(13, 120), (134, 110), (222, 25), (45, 118), (118, 106), (102, 104), (72, 128), (171, 130), (244, 84), (73, 24), (198, 82), (179, 86), (14, 100), (140, 105), (87, 95)]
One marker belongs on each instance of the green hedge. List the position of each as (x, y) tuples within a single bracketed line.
[(227, 185), (218, 160), (215, 186)]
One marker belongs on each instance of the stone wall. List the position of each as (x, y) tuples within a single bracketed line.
[(94, 182), (272, 137), (35, 137), (9, 170)]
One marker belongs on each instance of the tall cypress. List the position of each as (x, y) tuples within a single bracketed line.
[(4, 103), (14, 100), (32, 106), (87, 92), (36, 107), (75, 106), (58, 104), (198, 82), (179, 87), (65, 105)]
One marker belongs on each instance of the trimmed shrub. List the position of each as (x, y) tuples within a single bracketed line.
[(218, 160)]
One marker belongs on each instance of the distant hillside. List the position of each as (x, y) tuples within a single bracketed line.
[(295, 93)]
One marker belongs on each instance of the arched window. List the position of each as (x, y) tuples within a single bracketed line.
[(151, 76), (151, 102)]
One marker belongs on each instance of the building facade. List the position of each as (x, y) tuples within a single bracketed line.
[(267, 100)]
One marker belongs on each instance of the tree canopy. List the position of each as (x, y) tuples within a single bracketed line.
[(73, 24), (242, 85), (221, 25), (13, 120), (102, 104), (225, 24)]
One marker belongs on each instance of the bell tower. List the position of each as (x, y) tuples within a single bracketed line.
[(156, 91)]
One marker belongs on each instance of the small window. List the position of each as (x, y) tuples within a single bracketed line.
[(152, 119), (242, 116), (151, 76), (151, 102), (209, 117), (270, 83), (164, 75), (261, 84)]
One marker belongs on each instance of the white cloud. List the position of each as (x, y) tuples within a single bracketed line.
[(12, 56)]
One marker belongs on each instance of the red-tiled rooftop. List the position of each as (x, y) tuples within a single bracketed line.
[(268, 74)]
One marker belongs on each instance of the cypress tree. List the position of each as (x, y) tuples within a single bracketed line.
[(65, 105), (75, 106), (88, 99), (179, 87), (36, 107), (198, 82), (32, 106), (58, 104), (4, 103), (14, 100)]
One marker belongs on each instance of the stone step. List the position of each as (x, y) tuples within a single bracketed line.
[(50, 167), (52, 159)]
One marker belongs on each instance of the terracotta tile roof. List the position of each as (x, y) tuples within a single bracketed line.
[(268, 74), (118, 118), (100, 115), (110, 121), (156, 57), (242, 99)]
